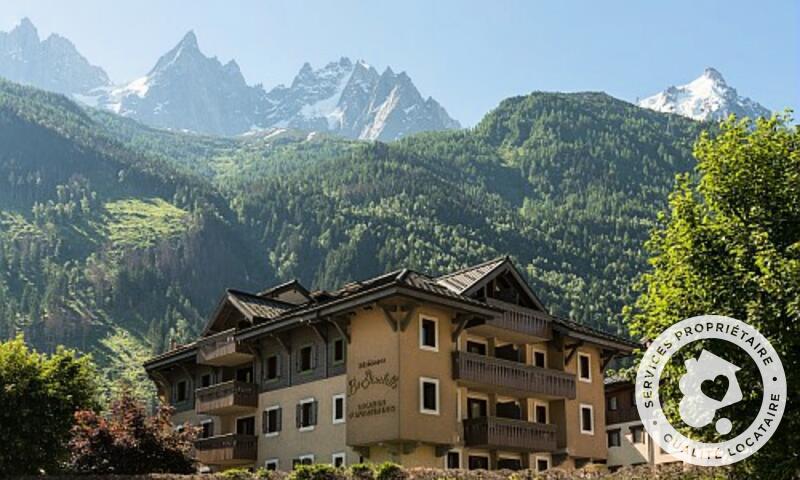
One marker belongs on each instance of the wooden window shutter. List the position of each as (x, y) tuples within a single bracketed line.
[(314, 412), (279, 419), (299, 415), (278, 362), (313, 356), (264, 421)]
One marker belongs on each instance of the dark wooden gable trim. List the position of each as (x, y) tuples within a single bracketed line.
[(507, 266)]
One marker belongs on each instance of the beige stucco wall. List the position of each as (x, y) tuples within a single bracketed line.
[(323, 441), (416, 363), (580, 444), (373, 380), (628, 453), (378, 352)]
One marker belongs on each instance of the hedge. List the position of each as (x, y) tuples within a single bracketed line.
[(389, 471)]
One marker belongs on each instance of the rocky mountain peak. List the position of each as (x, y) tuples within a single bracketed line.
[(707, 97)]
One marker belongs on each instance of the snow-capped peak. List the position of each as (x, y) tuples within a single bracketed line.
[(708, 97)]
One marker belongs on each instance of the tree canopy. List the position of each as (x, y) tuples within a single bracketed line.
[(39, 394), (729, 244)]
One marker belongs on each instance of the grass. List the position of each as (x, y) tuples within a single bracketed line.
[(134, 223)]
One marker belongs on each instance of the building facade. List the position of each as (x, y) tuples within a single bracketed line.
[(466, 370), (629, 444)]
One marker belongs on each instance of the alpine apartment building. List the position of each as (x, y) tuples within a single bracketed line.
[(466, 370), (628, 441)]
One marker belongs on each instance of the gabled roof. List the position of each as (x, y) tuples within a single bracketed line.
[(253, 307), (469, 280), (461, 280), (292, 285), (256, 307)]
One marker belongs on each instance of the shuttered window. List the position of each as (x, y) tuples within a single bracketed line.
[(306, 414)]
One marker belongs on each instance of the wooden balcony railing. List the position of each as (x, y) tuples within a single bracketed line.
[(514, 377), (230, 449), (521, 320), (509, 434), (222, 349), (622, 415), (226, 398)]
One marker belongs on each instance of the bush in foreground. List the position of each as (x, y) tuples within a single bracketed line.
[(39, 394), (128, 441)]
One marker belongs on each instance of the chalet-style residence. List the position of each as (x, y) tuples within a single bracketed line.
[(466, 370), (628, 441)]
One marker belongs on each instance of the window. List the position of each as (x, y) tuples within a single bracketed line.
[(181, 391), (478, 462), (271, 421), (205, 380), (542, 464), (305, 359), (540, 413), (614, 439), (477, 407), (584, 367), (637, 434), (509, 464), (587, 419), (246, 426), (429, 396), (428, 334), (338, 408), (476, 347), (338, 351), (207, 427), (453, 459), (271, 464), (307, 414), (303, 460), (271, 368), (245, 374), (612, 403), (539, 359), (338, 459)]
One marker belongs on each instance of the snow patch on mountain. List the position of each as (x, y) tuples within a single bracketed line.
[(708, 97)]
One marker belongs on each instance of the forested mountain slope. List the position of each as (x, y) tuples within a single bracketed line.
[(107, 226), (95, 236)]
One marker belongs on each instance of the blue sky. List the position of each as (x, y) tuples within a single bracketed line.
[(468, 55)]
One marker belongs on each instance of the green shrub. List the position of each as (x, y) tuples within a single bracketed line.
[(317, 471), (390, 471), (237, 474), (361, 471)]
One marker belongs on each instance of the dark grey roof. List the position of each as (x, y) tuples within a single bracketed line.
[(257, 307), (461, 280)]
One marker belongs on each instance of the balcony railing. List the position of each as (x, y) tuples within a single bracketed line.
[(513, 377), (509, 434), (622, 415), (230, 449), (521, 320), (222, 349), (226, 398)]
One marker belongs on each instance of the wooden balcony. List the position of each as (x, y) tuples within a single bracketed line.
[(516, 324), (622, 415), (222, 350), (230, 449), (512, 378), (508, 434), (226, 398)]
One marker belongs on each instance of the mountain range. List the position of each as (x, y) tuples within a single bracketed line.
[(708, 97), (52, 64), (115, 236), (187, 90)]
